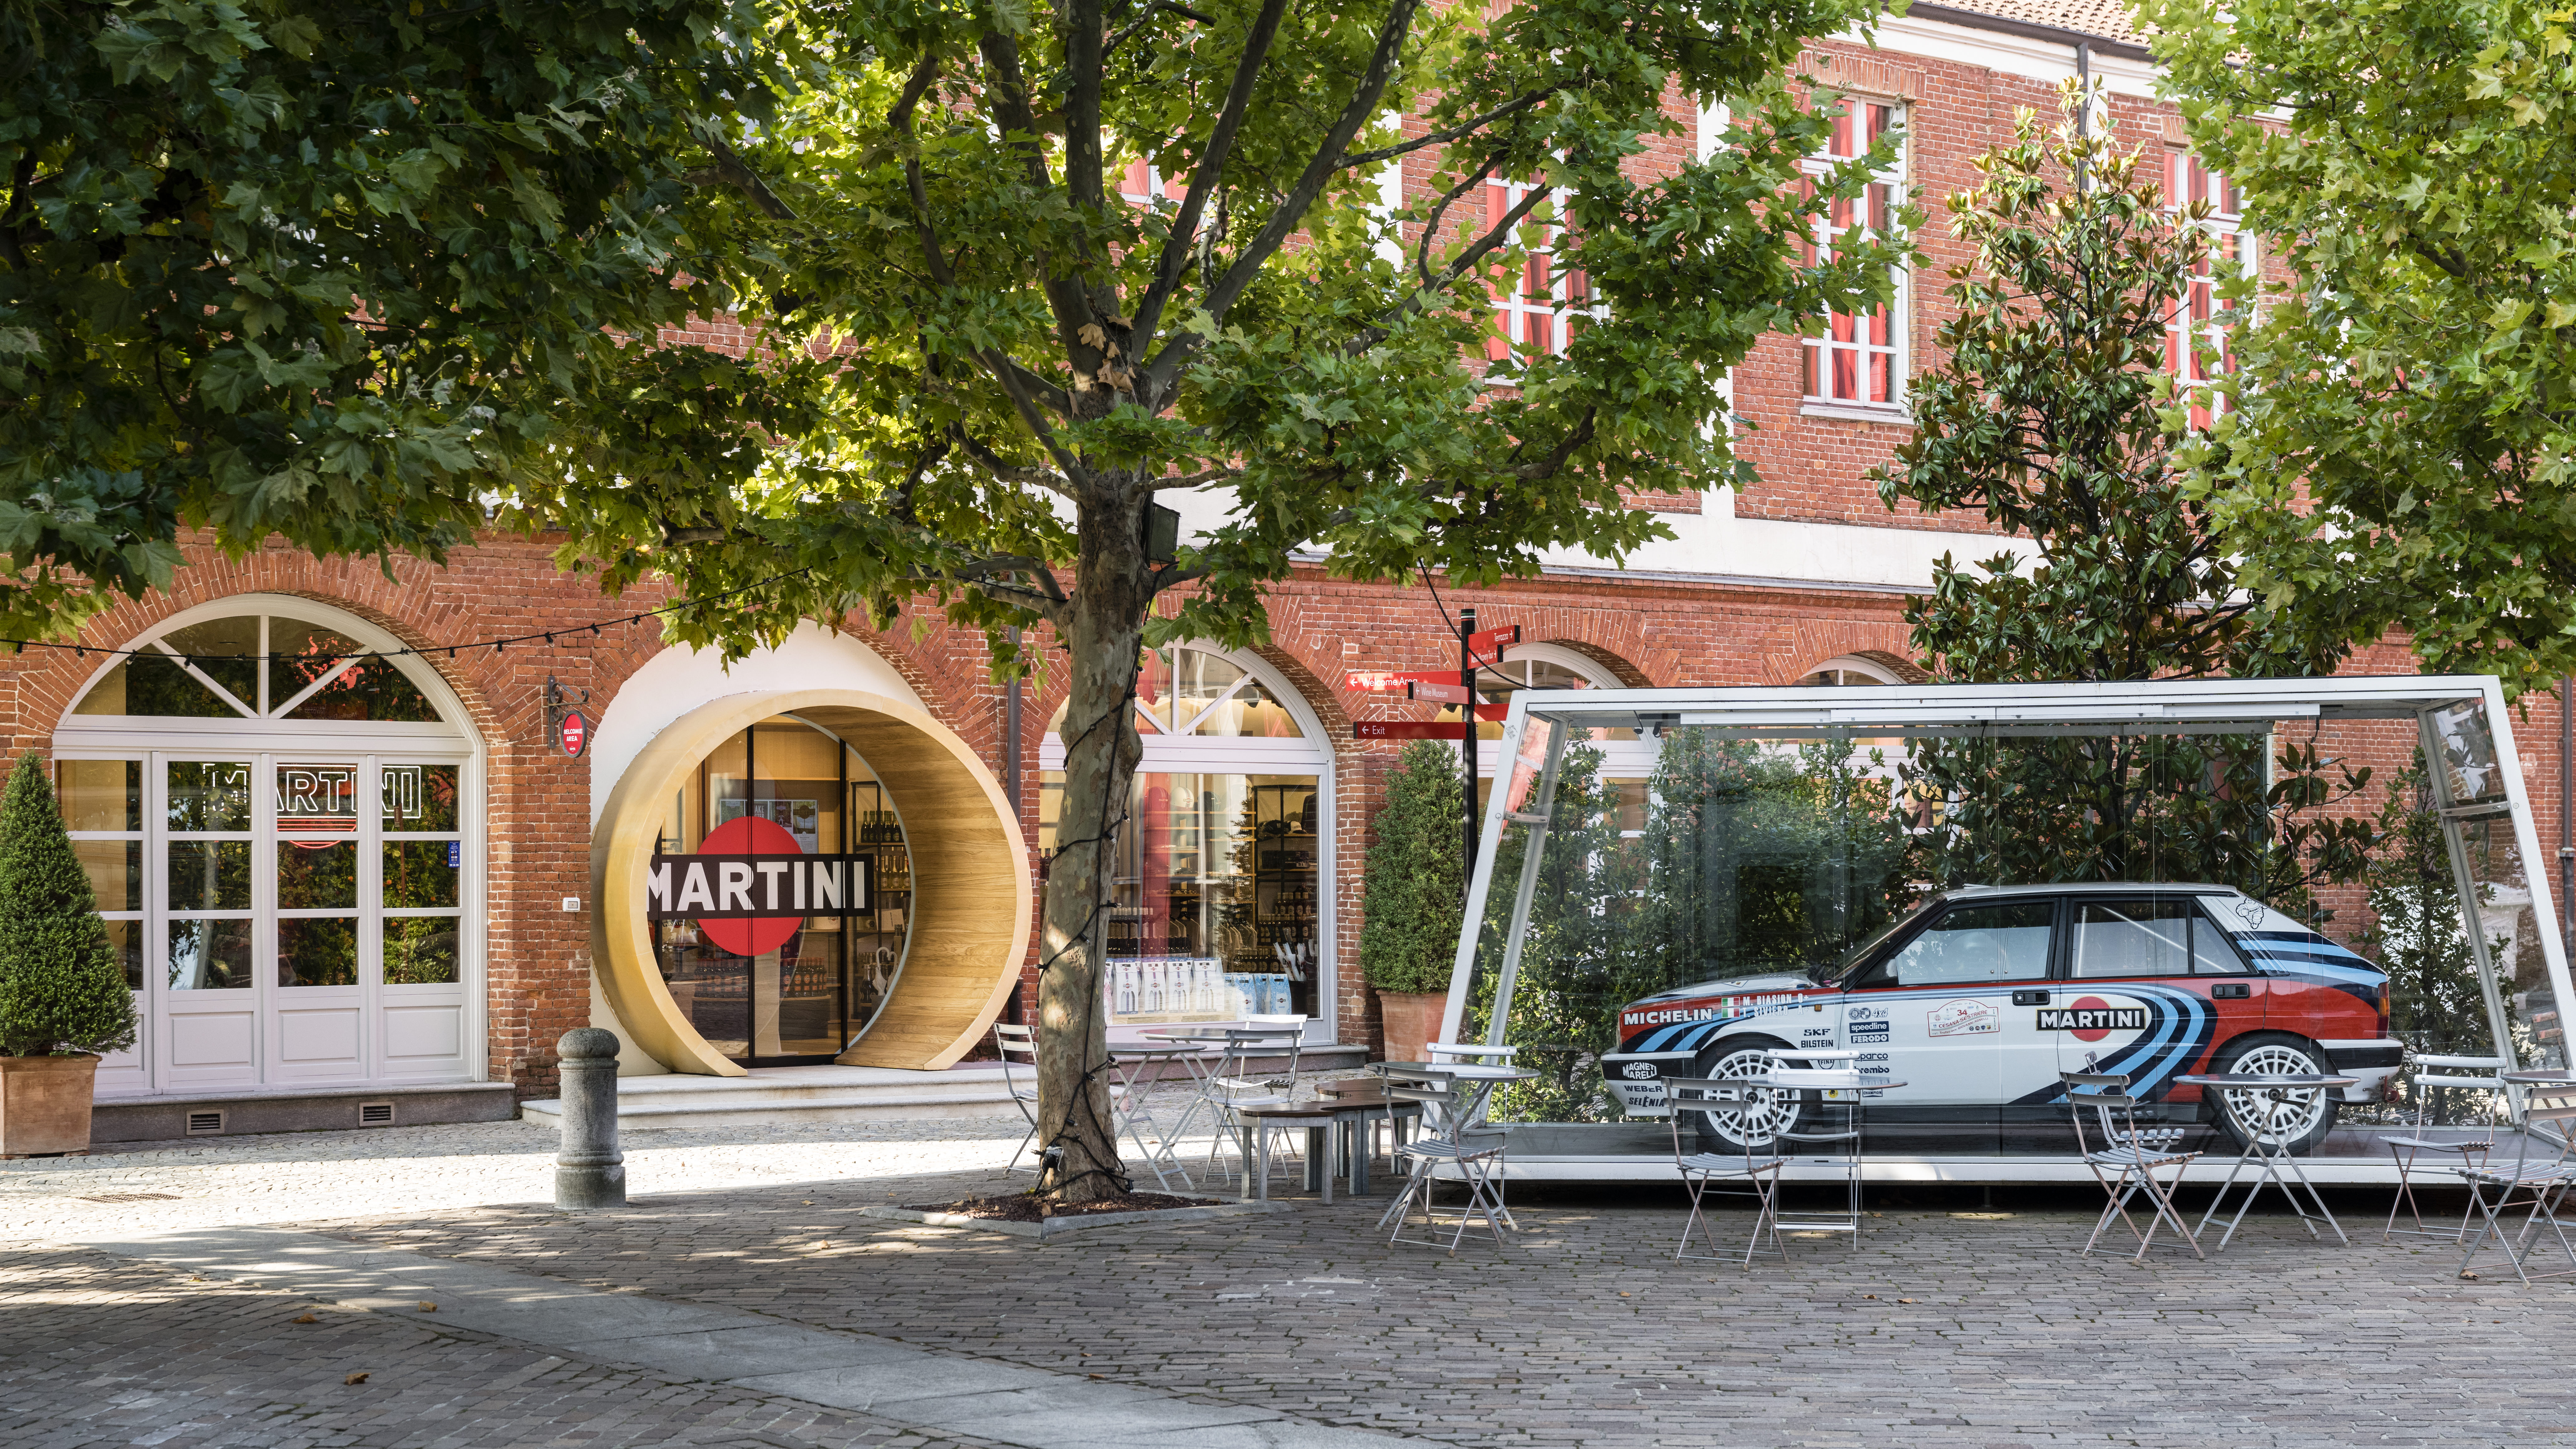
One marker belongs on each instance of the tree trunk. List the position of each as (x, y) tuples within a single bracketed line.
[(1110, 595)]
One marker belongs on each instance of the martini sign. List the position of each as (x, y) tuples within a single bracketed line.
[(750, 886)]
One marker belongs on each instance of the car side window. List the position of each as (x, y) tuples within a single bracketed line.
[(2002, 942), (2147, 936)]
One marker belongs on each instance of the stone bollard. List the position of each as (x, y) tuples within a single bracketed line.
[(589, 1170)]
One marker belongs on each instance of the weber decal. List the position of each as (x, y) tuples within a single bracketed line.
[(2081, 1019), (1964, 1017)]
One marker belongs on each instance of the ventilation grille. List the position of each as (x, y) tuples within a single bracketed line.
[(205, 1124), (375, 1114)]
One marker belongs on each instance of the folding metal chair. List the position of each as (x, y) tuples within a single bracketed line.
[(1477, 1152), (2546, 1182), (2406, 1149), (1231, 1086), (1703, 1171), (1835, 1138), (2129, 1159), (1019, 1044)]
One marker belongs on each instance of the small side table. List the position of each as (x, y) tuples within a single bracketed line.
[(2272, 1162), (1324, 1122)]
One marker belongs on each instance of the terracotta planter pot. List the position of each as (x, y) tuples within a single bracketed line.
[(44, 1104), (1411, 1020)]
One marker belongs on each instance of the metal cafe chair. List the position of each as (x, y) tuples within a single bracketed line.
[(1436, 1053), (2542, 1180), (2406, 1149), (1019, 1045), (1477, 1153), (1703, 1171), (2130, 1157), (1825, 1072), (1231, 1086)]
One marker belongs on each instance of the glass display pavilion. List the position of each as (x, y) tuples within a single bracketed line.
[(1787, 834)]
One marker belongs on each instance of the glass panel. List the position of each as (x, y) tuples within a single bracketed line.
[(1253, 713), (2468, 753), (712, 986), (317, 799), (225, 650), (2512, 930), (1980, 943), (2146, 937), (2211, 954), (374, 690), (318, 875), (1154, 687), (420, 873), (419, 950), (813, 1019), (210, 955), (125, 938), (115, 869), (419, 798), (100, 794), (209, 875), (150, 683), (1198, 679), (317, 951), (208, 795), (2435, 1004)]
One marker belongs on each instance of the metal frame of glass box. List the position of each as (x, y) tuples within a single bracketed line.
[(2463, 721)]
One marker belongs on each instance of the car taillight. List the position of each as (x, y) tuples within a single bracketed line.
[(2383, 1008)]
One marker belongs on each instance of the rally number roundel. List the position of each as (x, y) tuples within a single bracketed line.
[(750, 835)]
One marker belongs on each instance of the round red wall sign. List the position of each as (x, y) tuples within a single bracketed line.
[(576, 734), (750, 835)]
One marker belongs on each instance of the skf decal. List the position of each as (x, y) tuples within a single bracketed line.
[(2093, 1020), (1965, 1017)]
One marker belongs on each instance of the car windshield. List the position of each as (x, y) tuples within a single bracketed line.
[(1827, 975)]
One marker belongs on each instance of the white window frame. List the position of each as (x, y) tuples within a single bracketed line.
[(262, 742), (1517, 311), (1816, 354), (2194, 322)]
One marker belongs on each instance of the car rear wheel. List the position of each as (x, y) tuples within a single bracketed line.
[(2301, 1119), (1744, 1056)]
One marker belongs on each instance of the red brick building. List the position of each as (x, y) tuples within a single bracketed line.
[(383, 884)]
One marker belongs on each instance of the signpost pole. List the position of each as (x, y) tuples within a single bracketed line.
[(1467, 743)]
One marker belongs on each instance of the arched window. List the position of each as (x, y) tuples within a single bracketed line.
[(1219, 907), (1860, 670), (284, 832), (1626, 762)]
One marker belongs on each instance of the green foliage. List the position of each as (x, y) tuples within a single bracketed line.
[(335, 272), (2401, 447), (61, 988), (2433, 998), (1414, 890), (1027, 356), (2045, 415)]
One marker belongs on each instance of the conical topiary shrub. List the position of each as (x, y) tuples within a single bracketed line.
[(61, 988), (1414, 895)]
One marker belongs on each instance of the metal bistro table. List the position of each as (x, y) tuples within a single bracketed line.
[(1135, 1104), (2272, 1160), (1469, 1086), (1813, 1084)]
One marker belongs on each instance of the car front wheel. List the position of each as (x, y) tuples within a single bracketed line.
[(2301, 1119), (1739, 1057)]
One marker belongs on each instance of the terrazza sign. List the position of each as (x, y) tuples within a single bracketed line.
[(753, 886)]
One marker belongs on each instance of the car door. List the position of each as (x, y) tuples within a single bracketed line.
[(1936, 1007), (2131, 1004)]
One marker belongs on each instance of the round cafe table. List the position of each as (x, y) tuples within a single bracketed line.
[(2271, 1161)]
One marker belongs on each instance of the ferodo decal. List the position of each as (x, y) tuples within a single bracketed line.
[(2091, 1018), (1964, 1017)]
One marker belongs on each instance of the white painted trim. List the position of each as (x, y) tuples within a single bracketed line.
[(2028, 57), (1893, 415)]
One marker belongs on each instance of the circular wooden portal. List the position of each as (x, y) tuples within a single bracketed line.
[(970, 903)]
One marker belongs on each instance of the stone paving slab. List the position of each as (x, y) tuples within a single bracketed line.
[(932, 1392)]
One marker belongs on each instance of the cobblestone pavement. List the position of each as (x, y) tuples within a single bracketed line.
[(97, 1351), (1950, 1326)]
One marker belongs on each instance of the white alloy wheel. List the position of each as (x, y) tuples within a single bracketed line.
[(1778, 1112), (2298, 1118)]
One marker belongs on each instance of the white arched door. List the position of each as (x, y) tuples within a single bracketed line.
[(284, 834), (1221, 894)]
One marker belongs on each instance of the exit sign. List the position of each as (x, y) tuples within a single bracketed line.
[(1407, 729)]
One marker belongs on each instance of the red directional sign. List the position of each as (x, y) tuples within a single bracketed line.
[(1407, 729), (1436, 692), (1493, 641), (1384, 680)]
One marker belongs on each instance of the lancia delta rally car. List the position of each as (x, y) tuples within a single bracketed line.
[(1976, 1001)]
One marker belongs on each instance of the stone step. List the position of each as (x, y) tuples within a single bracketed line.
[(767, 1096)]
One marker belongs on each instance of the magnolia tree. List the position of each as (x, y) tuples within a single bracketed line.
[(2399, 447), (1072, 261)]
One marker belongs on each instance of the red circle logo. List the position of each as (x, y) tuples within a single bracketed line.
[(576, 734), (2091, 1003), (751, 835)]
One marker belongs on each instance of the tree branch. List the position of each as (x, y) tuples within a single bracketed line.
[(1442, 138), (1204, 177), (1291, 210), (1198, 479), (731, 170), (900, 118), (1575, 437), (1159, 7), (1005, 470), (1376, 333)]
